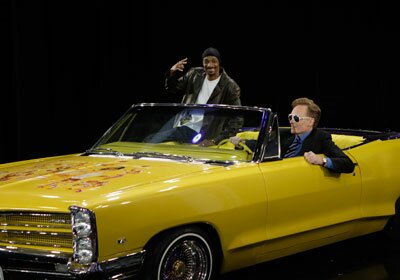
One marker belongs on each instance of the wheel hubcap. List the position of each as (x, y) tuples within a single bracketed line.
[(178, 268), (187, 260)]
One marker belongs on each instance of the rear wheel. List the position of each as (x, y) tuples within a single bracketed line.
[(183, 254)]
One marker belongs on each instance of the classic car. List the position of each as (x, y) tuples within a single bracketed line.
[(151, 200)]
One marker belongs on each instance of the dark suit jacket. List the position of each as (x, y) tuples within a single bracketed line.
[(320, 142)]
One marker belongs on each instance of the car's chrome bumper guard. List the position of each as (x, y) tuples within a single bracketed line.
[(119, 268), (27, 262)]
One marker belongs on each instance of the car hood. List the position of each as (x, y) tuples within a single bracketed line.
[(53, 184)]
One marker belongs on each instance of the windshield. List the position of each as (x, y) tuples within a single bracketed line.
[(187, 132)]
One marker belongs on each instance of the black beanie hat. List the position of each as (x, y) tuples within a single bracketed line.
[(212, 52)]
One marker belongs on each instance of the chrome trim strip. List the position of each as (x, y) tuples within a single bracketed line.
[(25, 234), (238, 107), (47, 273), (28, 254), (55, 226), (38, 214)]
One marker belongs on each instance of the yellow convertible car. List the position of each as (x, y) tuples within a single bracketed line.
[(164, 195)]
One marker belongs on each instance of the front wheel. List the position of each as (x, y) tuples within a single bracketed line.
[(183, 254)]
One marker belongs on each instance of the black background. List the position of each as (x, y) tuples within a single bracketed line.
[(71, 68)]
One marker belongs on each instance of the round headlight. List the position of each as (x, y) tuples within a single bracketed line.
[(82, 217), (84, 252), (84, 257), (83, 229)]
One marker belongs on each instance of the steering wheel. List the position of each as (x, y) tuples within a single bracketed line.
[(242, 144)]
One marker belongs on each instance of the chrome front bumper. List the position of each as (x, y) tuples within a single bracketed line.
[(52, 266)]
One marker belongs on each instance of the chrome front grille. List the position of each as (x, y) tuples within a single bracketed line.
[(42, 231)]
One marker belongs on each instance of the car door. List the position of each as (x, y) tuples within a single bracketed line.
[(302, 197)]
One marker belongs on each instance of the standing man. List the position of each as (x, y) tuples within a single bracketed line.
[(209, 84)]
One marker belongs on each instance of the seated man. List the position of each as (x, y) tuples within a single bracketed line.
[(309, 141)]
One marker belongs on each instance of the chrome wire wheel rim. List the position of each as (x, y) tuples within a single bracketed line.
[(187, 258)]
